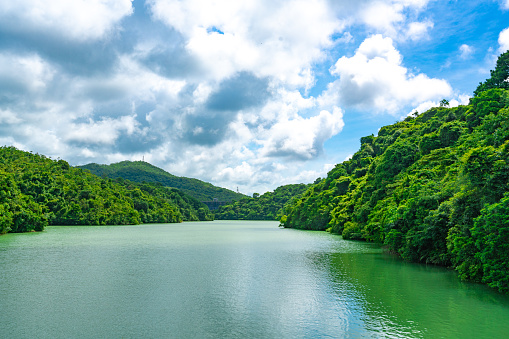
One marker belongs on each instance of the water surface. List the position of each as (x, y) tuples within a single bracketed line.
[(227, 279)]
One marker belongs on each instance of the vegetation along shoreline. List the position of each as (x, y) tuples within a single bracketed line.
[(433, 188)]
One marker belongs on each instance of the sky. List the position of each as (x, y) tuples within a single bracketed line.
[(247, 95)]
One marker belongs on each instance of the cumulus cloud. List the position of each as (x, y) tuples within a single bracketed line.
[(239, 174), (466, 51), (23, 73), (79, 19), (105, 131), (302, 138), (398, 19), (384, 16), (503, 40), (374, 78), (7, 117), (278, 39), (419, 30)]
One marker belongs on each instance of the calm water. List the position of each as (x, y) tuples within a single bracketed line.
[(229, 280)]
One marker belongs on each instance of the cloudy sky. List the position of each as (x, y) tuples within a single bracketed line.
[(250, 94)]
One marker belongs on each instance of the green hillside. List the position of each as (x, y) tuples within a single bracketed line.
[(268, 206), (140, 171), (433, 188), (36, 191)]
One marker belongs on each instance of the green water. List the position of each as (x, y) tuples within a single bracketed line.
[(229, 280)]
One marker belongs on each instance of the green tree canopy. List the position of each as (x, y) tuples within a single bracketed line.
[(433, 188)]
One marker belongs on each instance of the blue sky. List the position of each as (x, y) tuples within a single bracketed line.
[(248, 94)]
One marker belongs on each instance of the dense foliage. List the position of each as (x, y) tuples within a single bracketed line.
[(36, 191), (267, 206), (432, 188), (140, 171)]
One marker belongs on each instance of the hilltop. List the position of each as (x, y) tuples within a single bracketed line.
[(140, 171)]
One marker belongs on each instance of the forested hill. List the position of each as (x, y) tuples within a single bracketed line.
[(36, 191), (265, 207), (140, 171), (433, 188)]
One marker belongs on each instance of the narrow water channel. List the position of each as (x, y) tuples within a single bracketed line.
[(228, 279)]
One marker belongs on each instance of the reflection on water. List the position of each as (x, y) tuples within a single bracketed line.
[(419, 301), (229, 280)]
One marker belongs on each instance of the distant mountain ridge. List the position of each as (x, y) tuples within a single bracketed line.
[(140, 171)]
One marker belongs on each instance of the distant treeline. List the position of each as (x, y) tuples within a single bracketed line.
[(268, 206), (433, 188), (36, 191)]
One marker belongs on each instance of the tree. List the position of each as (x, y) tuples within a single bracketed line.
[(282, 221), (444, 103), (491, 235), (499, 76)]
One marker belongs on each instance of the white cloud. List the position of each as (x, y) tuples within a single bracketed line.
[(396, 18), (505, 4), (418, 4), (419, 30), (278, 39), (503, 40), (328, 167), (24, 72), (384, 16), (286, 105), (466, 51), (374, 78), (86, 153), (143, 83), (78, 19), (462, 99), (423, 107), (201, 93), (239, 174), (105, 131), (8, 117), (302, 138)]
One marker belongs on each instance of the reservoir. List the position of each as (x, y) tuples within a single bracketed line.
[(229, 279)]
